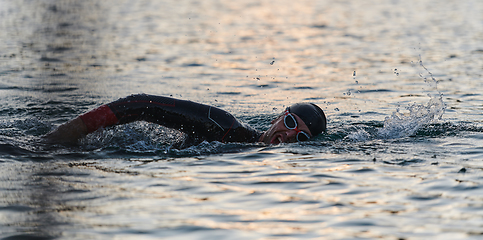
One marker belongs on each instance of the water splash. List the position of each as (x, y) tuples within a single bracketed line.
[(402, 125), (359, 135), (149, 139)]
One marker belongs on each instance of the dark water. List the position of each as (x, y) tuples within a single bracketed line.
[(400, 82)]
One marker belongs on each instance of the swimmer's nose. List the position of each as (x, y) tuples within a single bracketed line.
[(291, 135)]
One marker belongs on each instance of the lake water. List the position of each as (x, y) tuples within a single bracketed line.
[(400, 82)]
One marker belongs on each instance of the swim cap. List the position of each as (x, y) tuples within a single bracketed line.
[(312, 116)]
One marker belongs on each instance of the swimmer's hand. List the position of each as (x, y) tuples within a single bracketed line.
[(67, 133)]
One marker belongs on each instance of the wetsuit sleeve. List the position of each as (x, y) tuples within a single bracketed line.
[(99, 118), (199, 121)]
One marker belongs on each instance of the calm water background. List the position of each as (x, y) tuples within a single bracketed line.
[(400, 82)]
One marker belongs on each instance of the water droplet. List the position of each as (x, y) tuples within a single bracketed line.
[(336, 109), (272, 62), (354, 74)]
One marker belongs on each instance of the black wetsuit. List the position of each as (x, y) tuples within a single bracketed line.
[(200, 122)]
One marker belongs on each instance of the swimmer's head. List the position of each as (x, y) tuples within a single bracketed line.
[(298, 122), (312, 116)]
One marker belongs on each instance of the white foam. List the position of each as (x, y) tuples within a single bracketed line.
[(402, 125), (358, 136)]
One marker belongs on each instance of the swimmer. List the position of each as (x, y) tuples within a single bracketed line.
[(199, 122)]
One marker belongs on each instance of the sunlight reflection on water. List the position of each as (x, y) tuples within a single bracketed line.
[(359, 60)]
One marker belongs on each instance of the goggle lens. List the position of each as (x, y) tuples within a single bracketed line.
[(302, 136), (291, 123)]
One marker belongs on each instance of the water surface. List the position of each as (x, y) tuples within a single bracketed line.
[(400, 82)]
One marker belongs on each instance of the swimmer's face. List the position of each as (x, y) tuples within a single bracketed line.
[(279, 133)]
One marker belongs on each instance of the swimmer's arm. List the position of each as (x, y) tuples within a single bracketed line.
[(67, 133), (72, 131)]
